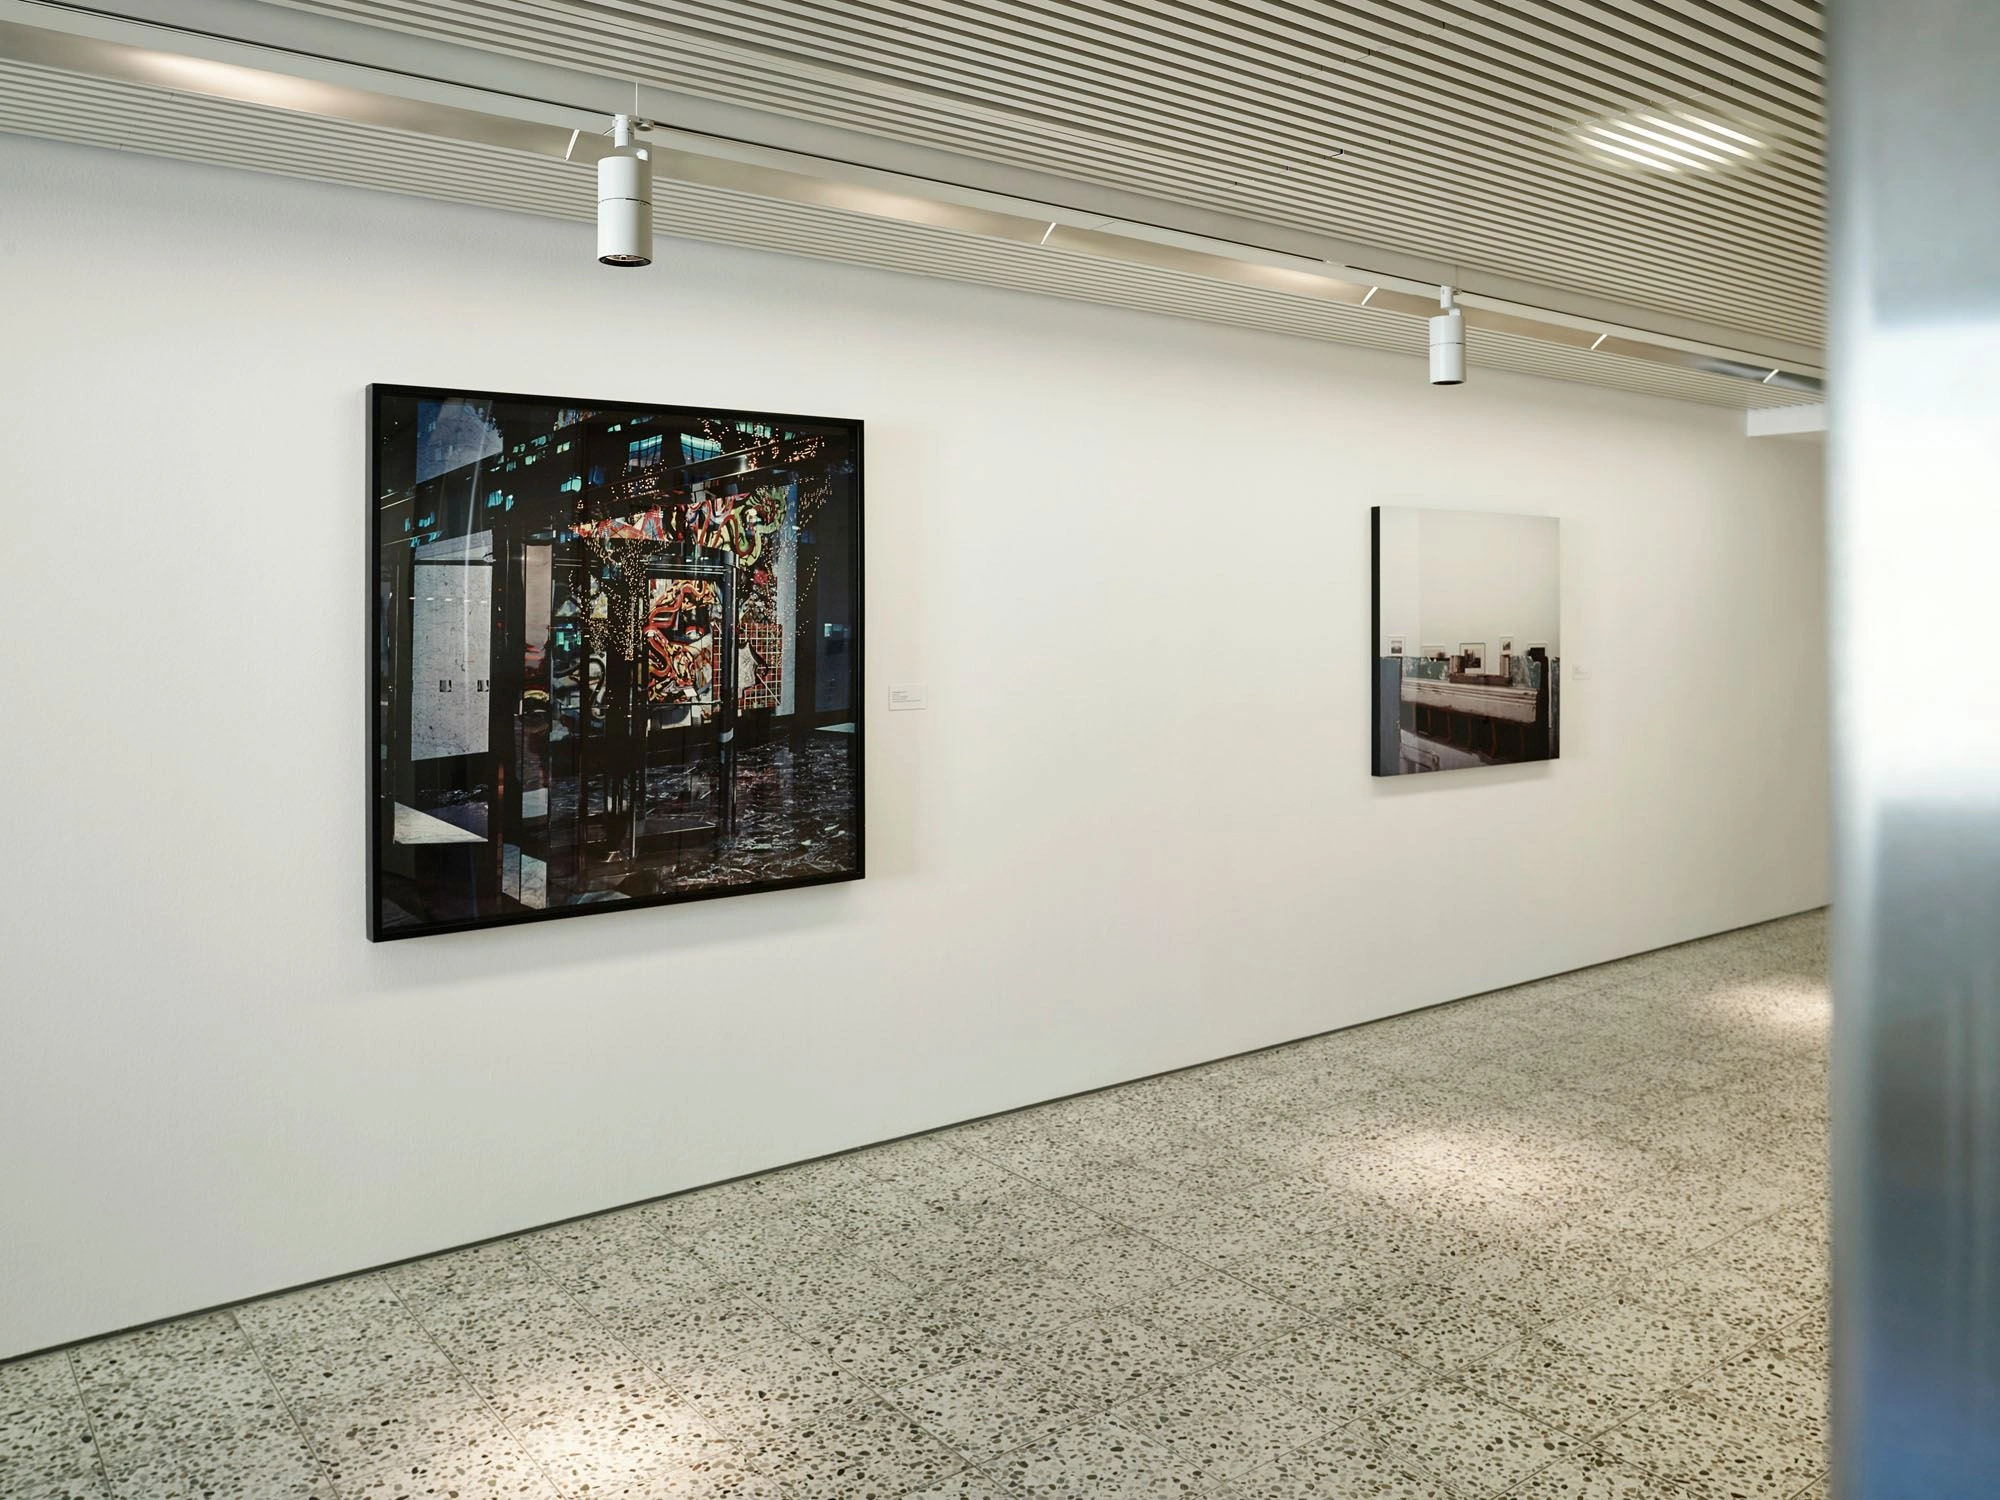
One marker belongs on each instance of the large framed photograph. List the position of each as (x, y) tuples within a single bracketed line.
[(615, 656), (1474, 578)]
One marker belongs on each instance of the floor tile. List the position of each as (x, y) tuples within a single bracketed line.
[(1476, 1447), (1100, 1460), (1123, 1267), (757, 1387), (1595, 1476), (338, 1314), (1788, 1250), (872, 1210), (1711, 1450), (1542, 1380), (1130, 1193), (1013, 1303), (1805, 1338), (988, 1404), (634, 1444), (439, 1454), (1439, 1325), (680, 1336), (1216, 1315), (634, 1260), (1342, 1466), (1785, 1396), (1330, 1373), (1623, 1339), (890, 1353), (1223, 1422), (966, 1484), (1105, 1360), (45, 1434), (1712, 1289), (1019, 1142), (864, 1450), (1319, 1273), (820, 1292), (738, 1250)]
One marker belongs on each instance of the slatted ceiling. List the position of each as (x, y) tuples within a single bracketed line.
[(1562, 258), (64, 106), (1459, 120), (998, 263)]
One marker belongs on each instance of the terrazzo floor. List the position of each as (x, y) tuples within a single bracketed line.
[(1557, 1242)]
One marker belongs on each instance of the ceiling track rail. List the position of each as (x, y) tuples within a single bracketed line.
[(85, 42), (1358, 118)]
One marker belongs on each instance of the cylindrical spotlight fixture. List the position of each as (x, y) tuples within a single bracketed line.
[(625, 200), (1448, 342)]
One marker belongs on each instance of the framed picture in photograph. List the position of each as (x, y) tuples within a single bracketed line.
[(615, 656), (1460, 576)]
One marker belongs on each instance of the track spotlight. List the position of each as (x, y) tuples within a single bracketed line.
[(625, 200), (1448, 342)]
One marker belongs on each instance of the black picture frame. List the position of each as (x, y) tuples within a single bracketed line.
[(380, 810), (1524, 729)]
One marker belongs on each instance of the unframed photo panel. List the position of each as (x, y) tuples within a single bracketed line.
[(616, 656), (1481, 591)]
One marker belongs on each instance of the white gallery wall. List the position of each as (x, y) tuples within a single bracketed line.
[(1134, 829)]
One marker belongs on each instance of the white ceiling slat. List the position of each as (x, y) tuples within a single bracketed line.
[(1764, 72), (241, 135), (1549, 255), (571, 30), (1448, 69), (1576, 54), (1221, 109), (1413, 172), (1679, 261), (1458, 120), (1757, 27), (1738, 247), (1804, 15), (835, 36)]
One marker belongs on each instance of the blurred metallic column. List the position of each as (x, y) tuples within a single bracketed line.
[(1915, 524)]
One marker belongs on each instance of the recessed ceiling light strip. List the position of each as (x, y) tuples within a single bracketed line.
[(1641, 158), (1679, 147), (1709, 138), (1650, 144), (1719, 129)]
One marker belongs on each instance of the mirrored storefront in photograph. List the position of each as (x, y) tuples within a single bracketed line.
[(616, 656)]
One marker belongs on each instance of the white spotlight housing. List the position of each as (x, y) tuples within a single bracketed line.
[(625, 200), (1448, 342)]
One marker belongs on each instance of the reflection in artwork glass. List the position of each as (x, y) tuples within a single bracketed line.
[(618, 656), (1487, 583)]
